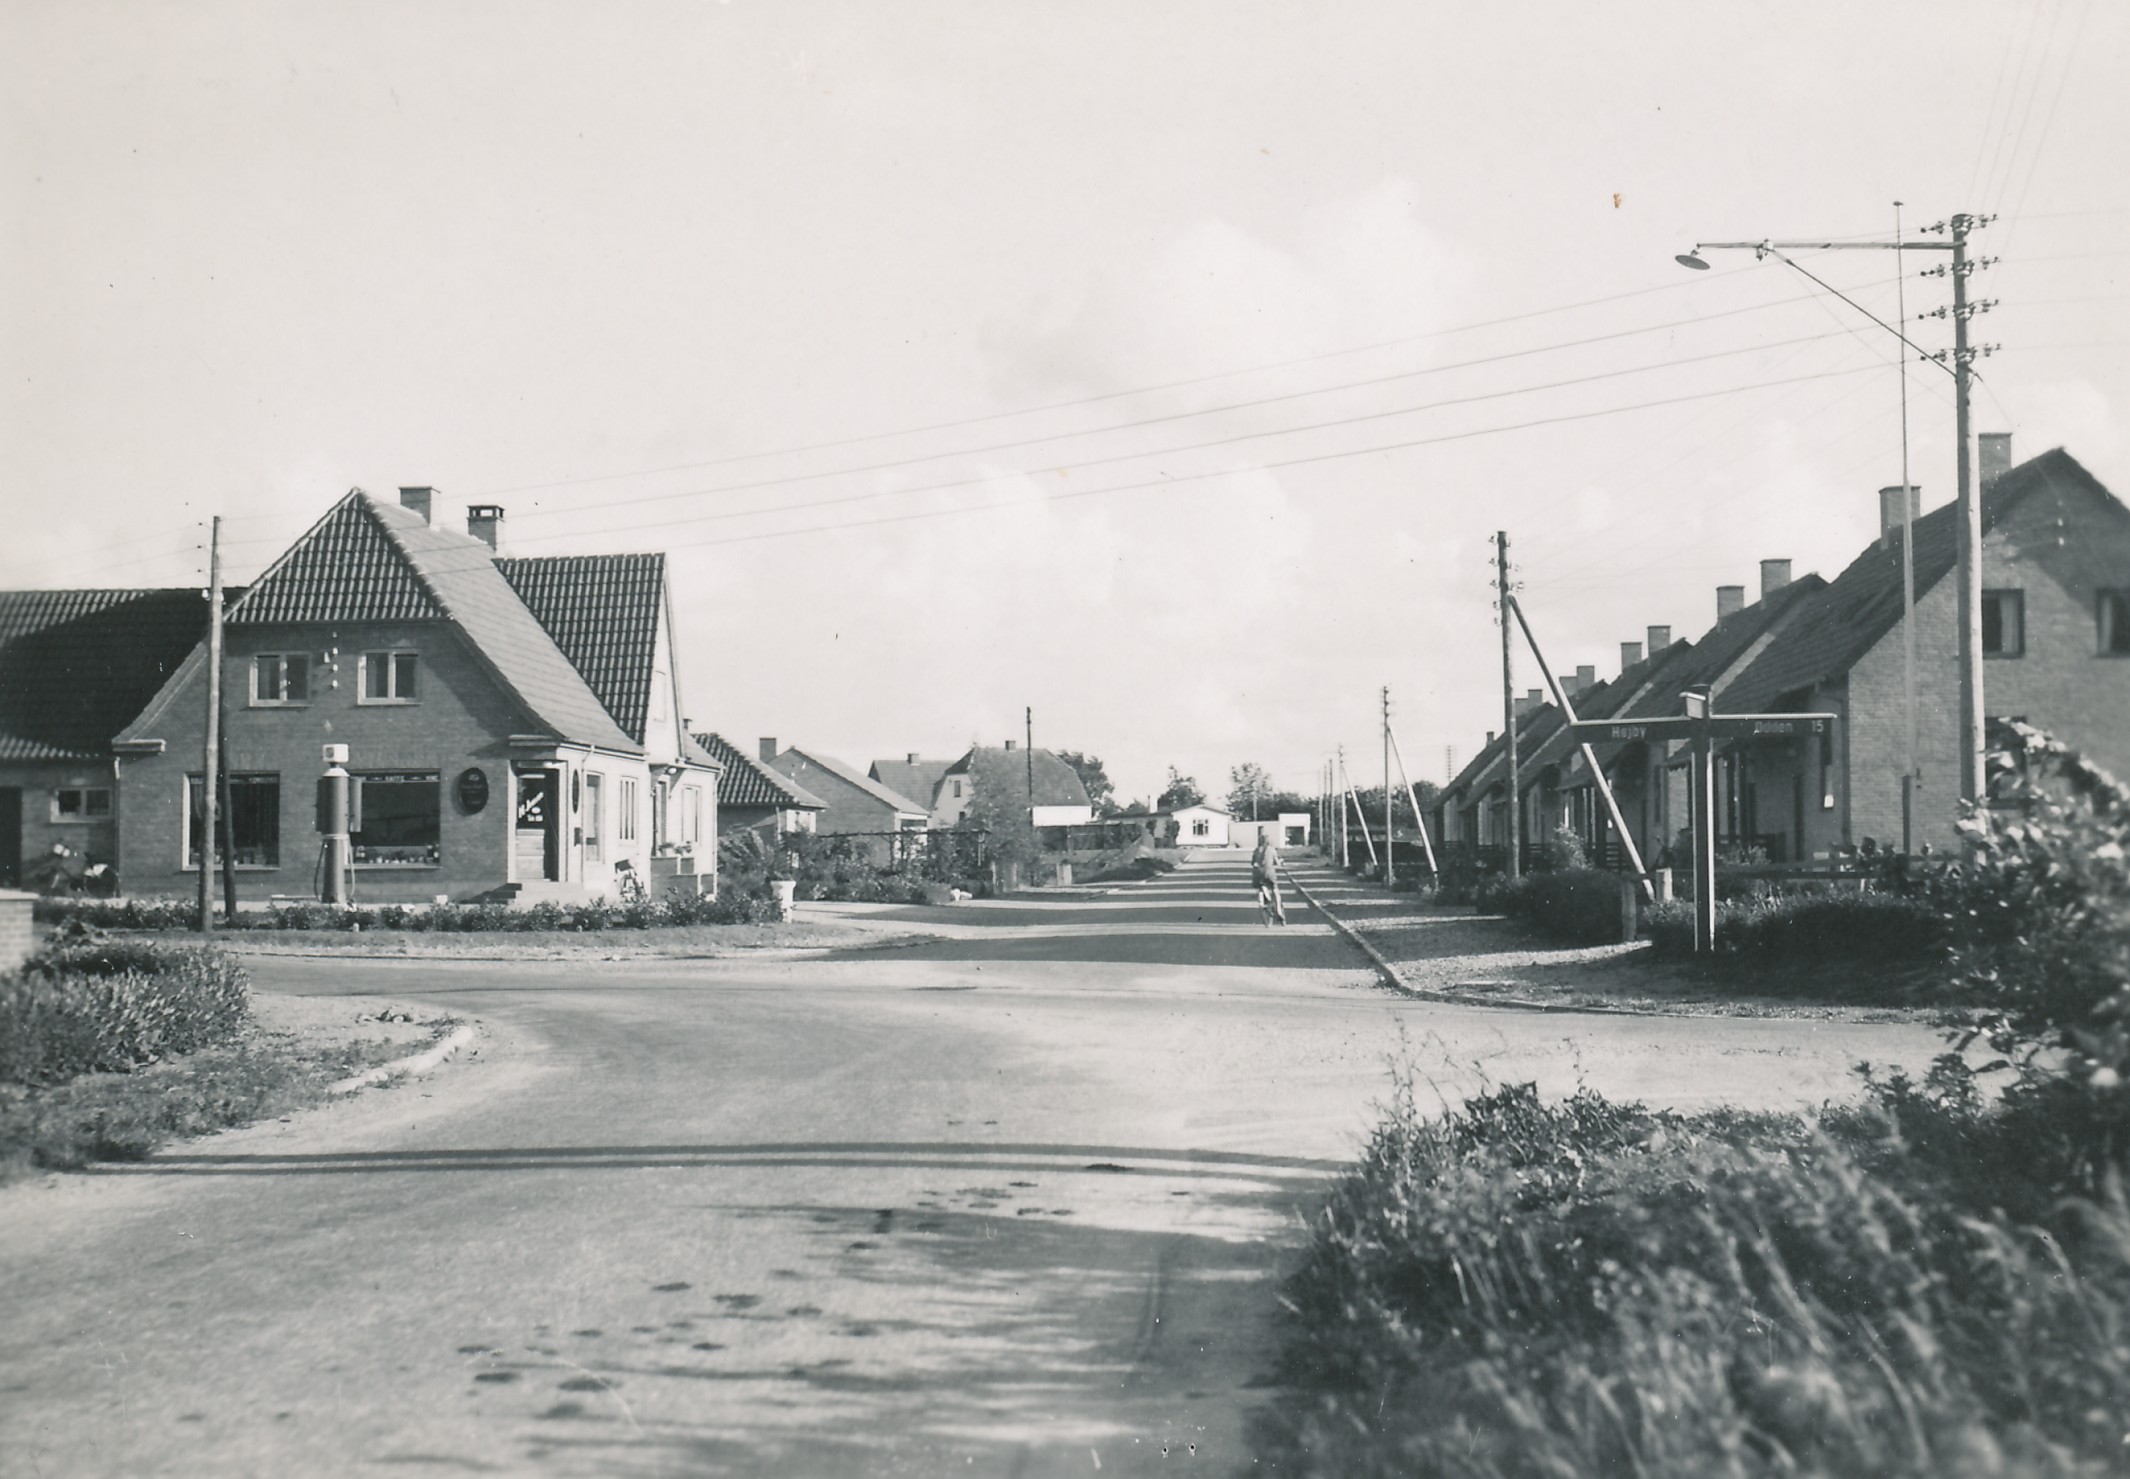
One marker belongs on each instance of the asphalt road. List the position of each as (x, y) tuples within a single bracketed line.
[(1009, 1203)]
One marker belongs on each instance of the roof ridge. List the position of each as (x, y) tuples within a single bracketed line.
[(371, 507)]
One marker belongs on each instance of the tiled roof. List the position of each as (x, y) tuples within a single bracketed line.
[(855, 777), (344, 569), (1056, 783), (1864, 602), (748, 782), (602, 611), (77, 666), (916, 779), (368, 560), (1721, 647)]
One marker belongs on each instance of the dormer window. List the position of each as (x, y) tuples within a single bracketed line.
[(280, 678), (388, 678)]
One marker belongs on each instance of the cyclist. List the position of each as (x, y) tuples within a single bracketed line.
[(1264, 877)]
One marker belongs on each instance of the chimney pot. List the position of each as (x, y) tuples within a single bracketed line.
[(1585, 676), (484, 521), (1774, 575), (1890, 512), (1659, 639), (1730, 600), (421, 501), (1994, 450), (766, 746), (1630, 654)]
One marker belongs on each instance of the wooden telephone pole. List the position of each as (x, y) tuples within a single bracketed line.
[(1514, 854), (210, 751)]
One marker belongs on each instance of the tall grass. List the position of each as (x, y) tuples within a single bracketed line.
[(1523, 1289)]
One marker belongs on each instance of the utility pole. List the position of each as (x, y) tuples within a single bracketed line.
[(1514, 854), (1972, 738), (1961, 368), (1028, 744), (1909, 776), (1390, 870), (1345, 834), (210, 750)]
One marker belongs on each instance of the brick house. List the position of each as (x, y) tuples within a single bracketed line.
[(2056, 646), (514, 724), (751, 793), (852, 801), (1058, 797), (75, 666)]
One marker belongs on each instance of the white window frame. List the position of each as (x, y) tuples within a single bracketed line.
[(191, 782), (391, 658), (691, 814), (625, 811), (281, 700), (358, 807), (81, 816)]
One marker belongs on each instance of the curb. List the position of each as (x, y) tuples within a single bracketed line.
[(1384, 972), (420, 1062)]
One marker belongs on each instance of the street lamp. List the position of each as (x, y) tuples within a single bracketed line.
[(1970, 506)]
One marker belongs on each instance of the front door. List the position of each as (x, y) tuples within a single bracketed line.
[(536, 835), (10, 837)]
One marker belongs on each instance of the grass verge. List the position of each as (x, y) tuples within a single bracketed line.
[(127, 1116), (1589, 1287)]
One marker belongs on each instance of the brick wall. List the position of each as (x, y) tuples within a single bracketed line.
[(463, 719), (39, 781)]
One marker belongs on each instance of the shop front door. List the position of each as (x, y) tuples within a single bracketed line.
[(536, 835)]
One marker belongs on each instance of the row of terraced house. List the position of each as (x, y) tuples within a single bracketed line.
[(515, 727), (2055, 558)]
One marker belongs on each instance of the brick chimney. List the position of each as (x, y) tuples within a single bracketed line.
[(1568, 684), (1774, 575), (1994, 452), (766, 747), (913, 757), (1013, 744), (484, 521), (1730, 600), (1659, 639), (421, 500), (1585, 676), (1890, 512), (1630, 654), (1492, 735)]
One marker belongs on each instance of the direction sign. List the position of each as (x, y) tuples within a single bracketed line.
[(1716, 726)]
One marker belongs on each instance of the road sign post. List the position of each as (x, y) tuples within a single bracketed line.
[(1702, 727)]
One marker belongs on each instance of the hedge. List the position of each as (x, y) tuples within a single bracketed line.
[(1580, 904), (112, 1006), (678, 908), (1891, 929)]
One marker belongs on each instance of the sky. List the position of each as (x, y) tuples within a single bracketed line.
[(1166, 370)]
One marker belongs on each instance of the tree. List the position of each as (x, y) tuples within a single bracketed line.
[(1181, 790), (1101, 793), (1248, 788), (1000, 807)]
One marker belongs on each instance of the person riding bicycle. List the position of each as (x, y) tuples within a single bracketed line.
[(1264, 877)]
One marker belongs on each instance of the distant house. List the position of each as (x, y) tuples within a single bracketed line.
[(2056, 653), (751, 793), (851, 800), (1288, 829), (1036, 779), (913, 777), (514, 724), (75, 667), (1198, 825)]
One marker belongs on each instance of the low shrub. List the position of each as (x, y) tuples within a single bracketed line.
[(1525, 1289), (112, 1006), (1810, 928), (679, 907), (1579, 904)]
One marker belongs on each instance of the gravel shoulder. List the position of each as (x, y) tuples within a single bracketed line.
[(687, 942)]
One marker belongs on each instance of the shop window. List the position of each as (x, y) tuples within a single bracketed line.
[(398, 819), (280, 678), (254, 820), (81, 804), (2004, 623), (594, 816), (389, 677), (2111, 618)]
